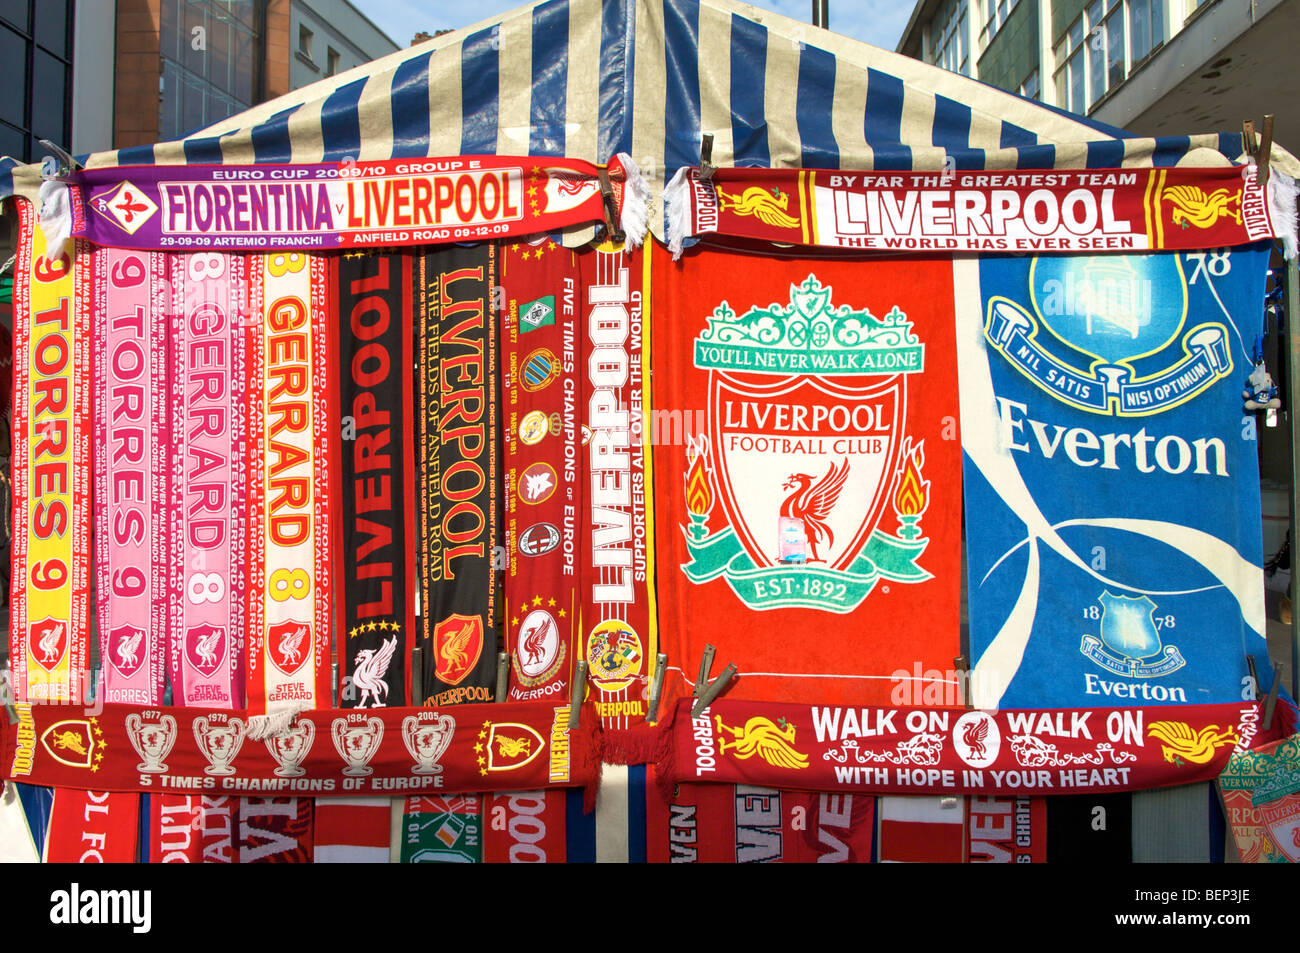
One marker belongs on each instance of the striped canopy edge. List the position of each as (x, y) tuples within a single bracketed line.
[(590, 78)]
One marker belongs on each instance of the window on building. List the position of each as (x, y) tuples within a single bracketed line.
[(331, 61), (304, 40), (996, 13), (1100, 49), (1029, 88), (205, 82), (36, 50), (949, 49)]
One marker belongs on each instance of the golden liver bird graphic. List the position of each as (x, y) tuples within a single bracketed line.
[(768, 207), (761, 736), (453, 647), (1179, 740), (69, 741), (1196, 207), (509, 747)]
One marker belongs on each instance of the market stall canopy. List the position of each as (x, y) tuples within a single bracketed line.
[(590, 78)]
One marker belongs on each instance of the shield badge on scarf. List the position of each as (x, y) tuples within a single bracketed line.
[(833, 475), (289, 644), (74, 742), (49, 641), (205, 647), (1282, 821), (126, 649), (511, 745), (457, 644)]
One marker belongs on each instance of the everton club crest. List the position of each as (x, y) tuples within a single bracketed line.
[(806, 461), (1130, 643), (1110, 337)]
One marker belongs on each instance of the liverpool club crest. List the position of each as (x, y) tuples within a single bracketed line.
[(806, 454)]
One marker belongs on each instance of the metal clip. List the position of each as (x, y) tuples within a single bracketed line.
[(612, 223), (706, 663), (503, 671), (1270, 703), (656, 687), (1265, 150), (963, 680), (578, 693), (713, 690), (417, 678), (59, 166), (707, 168)]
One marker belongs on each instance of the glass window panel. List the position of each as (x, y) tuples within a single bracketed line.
[(1076, 82), (169, 29), (52, 26), (1061, 90), (169, 102), (192, 111), (192, 17), (1076, 33), (1157, 23), (1115, 47), (49, 81), (1094, 14), (219, 54), (16, 12), (1140, 27), (13, 143), (13, 52), (244, 78), (1096, 67)]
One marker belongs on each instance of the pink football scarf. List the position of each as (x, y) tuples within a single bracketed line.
[(133, 509), (51, 470), (209, 302), (289, 423)]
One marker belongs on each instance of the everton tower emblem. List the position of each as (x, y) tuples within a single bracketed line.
[(806, 463)]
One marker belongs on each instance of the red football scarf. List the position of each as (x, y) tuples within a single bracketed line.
[(353, 830), (275, 830), (1006, 830), (192, 828), (618, 585), (720, 823), (526, 827), (51, 469), (133, 503), (374, 549), (325, 753), (950, 751), (927, 830), (457, 516), (209, 543), (813, 478), (93, 827), (290, 426), (1065, 210), (540, 429)]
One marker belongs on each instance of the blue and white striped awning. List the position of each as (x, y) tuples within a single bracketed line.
[(590, 78)]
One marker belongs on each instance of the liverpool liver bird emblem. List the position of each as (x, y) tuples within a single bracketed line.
[(1196, 207), (509, 747), (49, 643), (770, 208), (453, 649), (69, 741), (534, 640), (813, 502), (291, 645), (126, 650), (974, 736), (372, 666), (771, 741), (1180, 742), (206, 649)]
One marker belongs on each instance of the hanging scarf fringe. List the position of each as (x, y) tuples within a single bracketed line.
[(635, 216), (677, 210), (1282, 194)]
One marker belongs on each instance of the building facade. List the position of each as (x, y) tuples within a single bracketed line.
[(108, 74), (1153, 67)]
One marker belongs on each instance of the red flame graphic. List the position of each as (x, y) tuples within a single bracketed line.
[(913, 493), (699, 497)]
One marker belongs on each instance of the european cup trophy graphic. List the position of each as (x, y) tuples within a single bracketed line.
[(290, 748), (427, 740), (152, 741), (357, 744), (219, 743)]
